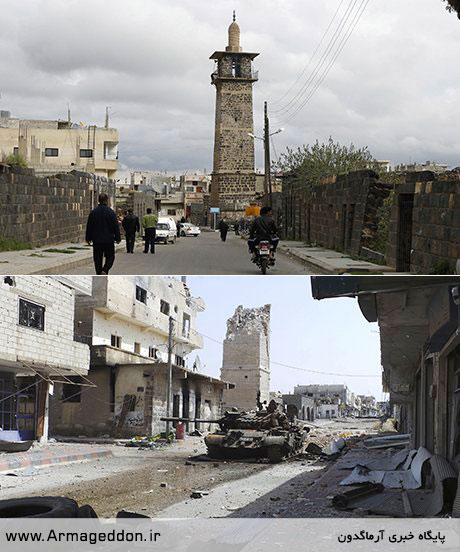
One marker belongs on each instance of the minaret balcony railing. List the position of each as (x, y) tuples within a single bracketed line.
[(252, 75)]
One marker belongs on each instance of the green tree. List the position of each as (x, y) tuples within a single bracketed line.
[(16, 159), (309, 164)]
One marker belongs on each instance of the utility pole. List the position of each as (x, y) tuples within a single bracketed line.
[(170, 351), (268, 180), (107, 117)]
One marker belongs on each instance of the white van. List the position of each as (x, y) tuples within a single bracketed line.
[(166, 230)]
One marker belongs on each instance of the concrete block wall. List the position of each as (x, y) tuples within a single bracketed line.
[(55, 346), (47, 210)]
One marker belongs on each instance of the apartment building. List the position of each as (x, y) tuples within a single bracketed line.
[(37, 350), (55, 146), (126, 322)]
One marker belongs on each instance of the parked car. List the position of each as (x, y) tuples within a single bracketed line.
[(166, 230), (187, 229)]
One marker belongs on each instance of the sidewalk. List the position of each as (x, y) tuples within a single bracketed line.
[(326, 261), (50, 455), (50, 259)]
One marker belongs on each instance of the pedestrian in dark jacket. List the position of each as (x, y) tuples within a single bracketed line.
[(102, 231), (130, 225), (223, 227)]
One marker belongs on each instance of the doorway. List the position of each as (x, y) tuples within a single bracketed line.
[(404, 244)]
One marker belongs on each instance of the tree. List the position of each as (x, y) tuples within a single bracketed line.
[(309, 164), (453, 6), (16, 159)]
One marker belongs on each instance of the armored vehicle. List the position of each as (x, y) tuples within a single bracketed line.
[(266, 433)]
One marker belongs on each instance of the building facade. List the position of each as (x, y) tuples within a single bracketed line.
[(51, 147), (420, 350), (126, 322), (233, 178), (246, 358), (37, 350)]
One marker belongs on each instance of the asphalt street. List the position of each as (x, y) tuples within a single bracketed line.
[(203, 255)]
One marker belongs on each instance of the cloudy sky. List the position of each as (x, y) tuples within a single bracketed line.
[(395, 86), (328, 336)]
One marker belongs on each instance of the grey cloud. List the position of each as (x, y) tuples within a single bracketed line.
[(394, 87)]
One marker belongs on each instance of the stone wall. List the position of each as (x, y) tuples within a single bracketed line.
[(48, 210), (339, 214), (425, 224)]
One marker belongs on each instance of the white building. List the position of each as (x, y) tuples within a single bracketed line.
[(53, 146), (37, 349), (126, 322)]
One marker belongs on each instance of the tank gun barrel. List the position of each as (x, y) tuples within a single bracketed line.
[(191, 420)]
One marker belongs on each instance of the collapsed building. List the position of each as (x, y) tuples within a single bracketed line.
[(246, 358), (420, 351), (38, 350), (126, 321)]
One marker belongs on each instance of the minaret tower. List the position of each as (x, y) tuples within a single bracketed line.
[(233, 178)]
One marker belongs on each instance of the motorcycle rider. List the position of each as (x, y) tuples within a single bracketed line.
[(263, 228)]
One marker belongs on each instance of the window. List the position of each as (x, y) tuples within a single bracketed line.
[(51, 152), (31, 315), (115, 341), (164, 307), (86, 153), (179, 361), (141, 294), (15, 151), (71, 392), (137, 348), (153, 352), (186, 325), (172, 212)]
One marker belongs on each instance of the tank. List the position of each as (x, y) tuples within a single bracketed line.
[(266, 433)]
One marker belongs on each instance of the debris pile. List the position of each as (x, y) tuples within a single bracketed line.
[(405, 483)]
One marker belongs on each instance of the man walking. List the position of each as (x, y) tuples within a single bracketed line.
[(130, 225), (223, 227), (150, 229), (102, 231)]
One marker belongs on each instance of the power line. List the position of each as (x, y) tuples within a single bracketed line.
[(305, 369), (323, 59), (345, 40), (311, 58)]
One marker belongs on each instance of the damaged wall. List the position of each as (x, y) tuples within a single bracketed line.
[(340, 214), (246, 357)]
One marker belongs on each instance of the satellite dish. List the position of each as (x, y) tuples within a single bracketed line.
[(197, 364)]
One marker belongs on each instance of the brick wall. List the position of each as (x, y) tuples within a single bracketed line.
[(47, 210), (338, 214)]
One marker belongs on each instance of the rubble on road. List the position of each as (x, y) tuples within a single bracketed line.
[(404, 483)]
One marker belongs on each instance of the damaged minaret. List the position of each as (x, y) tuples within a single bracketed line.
[(246, 360)]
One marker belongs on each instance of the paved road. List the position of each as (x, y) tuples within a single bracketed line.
[(200, 256)]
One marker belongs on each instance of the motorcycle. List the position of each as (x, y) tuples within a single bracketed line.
[(264, 256)]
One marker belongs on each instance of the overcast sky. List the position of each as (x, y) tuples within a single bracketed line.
[(330, 335), (395, 86)]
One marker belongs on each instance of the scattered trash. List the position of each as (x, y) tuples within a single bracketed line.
[(198, 494), (163, 484)]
